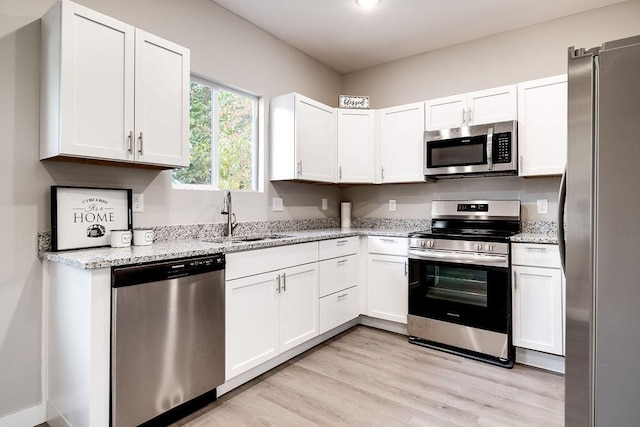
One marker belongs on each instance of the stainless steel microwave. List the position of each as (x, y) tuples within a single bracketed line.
[(479, 150)]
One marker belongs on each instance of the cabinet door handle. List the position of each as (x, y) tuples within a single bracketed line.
[(279, 287), (406, 268), (515, 281), (300, 167), (470, 119), (464, 116), (130, 141), (340, 172), (140, 146), (534, 248), (382, 173), (284, 282)]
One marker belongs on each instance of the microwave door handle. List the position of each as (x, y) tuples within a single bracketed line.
[(490, 149)]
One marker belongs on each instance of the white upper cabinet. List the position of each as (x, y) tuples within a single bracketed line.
[(110, 91), (542, 126), (162, 101), (303, 139), (356, 146), (486, 106), (401, 144)]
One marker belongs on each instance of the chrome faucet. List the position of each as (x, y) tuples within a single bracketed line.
[(227, 210)]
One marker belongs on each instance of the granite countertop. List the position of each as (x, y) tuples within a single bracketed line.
[(543, 238), (174, 249)]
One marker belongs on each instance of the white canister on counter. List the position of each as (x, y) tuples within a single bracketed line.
[(143, 237), (345, 215), (120, 238)]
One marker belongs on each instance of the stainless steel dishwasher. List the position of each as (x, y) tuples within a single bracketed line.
[(167, 336)]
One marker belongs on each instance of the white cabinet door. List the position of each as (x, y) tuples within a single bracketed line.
[(388, 289), (337, 274), (316, 140), (303, 139), (492, 105), (251, 312), (338, 308), (542, 126), (401, 143), (95, 78), (298, 303), (162, 101), (538, 318), (445, 113), (356, 146), (485, 106)]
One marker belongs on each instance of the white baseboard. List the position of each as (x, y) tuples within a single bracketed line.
[(385, 325), (538, 359), (27, 418)]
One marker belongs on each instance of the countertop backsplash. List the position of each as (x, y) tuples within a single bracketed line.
[(164, 233)]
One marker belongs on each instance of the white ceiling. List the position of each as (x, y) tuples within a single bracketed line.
[(347, 38)]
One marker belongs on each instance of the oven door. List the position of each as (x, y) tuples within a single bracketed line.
[(465, 293)]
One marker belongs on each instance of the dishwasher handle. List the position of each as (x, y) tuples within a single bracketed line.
[(164, 270)]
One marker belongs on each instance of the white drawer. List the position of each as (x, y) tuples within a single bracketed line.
[(388, 245), (337, 274), (337, 247), (248, 263), (535, 255), (338, 308)]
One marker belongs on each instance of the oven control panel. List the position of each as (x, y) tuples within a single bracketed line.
[(459, 245)]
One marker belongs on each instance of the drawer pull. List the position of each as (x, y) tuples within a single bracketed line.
[(533, 248), (342, 261), (342, 242), (342, 296), (388, 240)]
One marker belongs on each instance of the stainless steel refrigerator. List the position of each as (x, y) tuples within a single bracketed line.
[(602, 250)]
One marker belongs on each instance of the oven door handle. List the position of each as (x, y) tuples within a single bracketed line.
[(461, 258)]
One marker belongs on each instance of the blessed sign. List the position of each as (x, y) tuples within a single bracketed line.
[(352, 101), (83, 217)]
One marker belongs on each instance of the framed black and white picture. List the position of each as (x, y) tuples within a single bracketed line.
[(83, 217)]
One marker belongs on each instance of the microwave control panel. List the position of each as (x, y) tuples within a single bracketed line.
[(502, 147)]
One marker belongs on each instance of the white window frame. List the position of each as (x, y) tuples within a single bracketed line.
[(255, 149)]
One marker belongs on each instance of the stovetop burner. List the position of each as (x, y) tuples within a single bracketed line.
[(491, 221)]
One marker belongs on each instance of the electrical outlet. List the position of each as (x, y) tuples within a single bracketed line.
[(277, 204), (324, 204), (542, 206), (138, 203), (392, 205)]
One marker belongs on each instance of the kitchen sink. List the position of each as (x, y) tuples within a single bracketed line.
[(250, 238)]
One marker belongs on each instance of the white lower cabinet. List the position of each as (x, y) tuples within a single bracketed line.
[(269, 313), (538, 298), (338, 282), (387, 282)]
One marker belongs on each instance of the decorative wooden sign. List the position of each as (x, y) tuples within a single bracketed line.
[(352, 101)]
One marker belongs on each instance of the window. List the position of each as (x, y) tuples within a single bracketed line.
[(223, 137)]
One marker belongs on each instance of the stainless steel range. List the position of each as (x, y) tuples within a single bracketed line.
[(460, 279)]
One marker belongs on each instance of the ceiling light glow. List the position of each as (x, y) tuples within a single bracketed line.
[(368, 3)]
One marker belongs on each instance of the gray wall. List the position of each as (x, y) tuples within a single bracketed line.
[(224, 48), (525, 54)]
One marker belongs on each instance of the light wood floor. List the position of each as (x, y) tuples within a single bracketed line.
[(368, 377)]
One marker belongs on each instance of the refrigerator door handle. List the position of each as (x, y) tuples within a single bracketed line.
[(562, 198)]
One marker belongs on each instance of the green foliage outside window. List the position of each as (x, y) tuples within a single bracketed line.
[(222, 121)]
